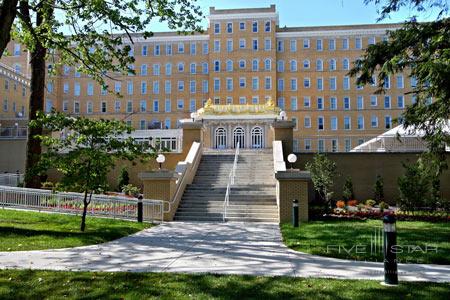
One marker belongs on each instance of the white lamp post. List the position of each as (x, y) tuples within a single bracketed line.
[(292, 158), (160, 159), (193, 116), (17, 129), (283, 115)]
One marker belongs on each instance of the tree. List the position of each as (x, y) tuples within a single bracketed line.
[(414, 186), (86, 152), (378, 189), (323, 171), (421, 50), (99, 44), (124, 178), (347, 190)]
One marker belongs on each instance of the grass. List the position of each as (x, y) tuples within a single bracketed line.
[(28, 284), (352, 240), (23, 230)]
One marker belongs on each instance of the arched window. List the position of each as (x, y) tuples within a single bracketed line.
[(216, 66), (220, 138), (332, 64), (306, 64), (319, 65), (280, 66), (238, 137), (229, 65), (193, 68), (168, 69), (268, 64), (255, 65), (242, 64), (257, 137), (293, 65), (181, 67), (205, 68), (346, 64)]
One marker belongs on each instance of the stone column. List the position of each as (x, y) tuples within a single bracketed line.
[(192, 132), (283, 131), (292, 184)]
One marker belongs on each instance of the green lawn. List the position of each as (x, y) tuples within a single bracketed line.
[(23, 230), (352, 240), (73, 285)]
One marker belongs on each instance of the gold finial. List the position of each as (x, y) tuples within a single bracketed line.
[(208, 103), (270, 103)]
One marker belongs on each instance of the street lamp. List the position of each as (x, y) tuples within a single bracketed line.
[(17, 129), (292, 158), (283, 115), (160, 159), (193, 116)]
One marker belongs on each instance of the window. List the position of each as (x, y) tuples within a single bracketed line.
[(321, 145), (320, 103), (180, 85), (130, 106), (306, 43), (77, 89), (347, 123), (267, 26), (307, 122), (307, 144), (65, 106), (155, 105), (400, 102), (156, 70), (169, 49), (229, 27), (144, 50), (387, 101), (360, 122), (268, 64), (334, 123), (242, 82), (193, 68), (293, 65), (255, 26), (143, 87), (5, 105), (280, 66), (76, 107), (117, 106), (241, 43), (358, 43), (205, 48), (143, 106), (168, 87), (294, 105), (306, 64), (229, 100), (332, 64), (180, 104), (216, 46), (242, 100), (344, 44), (333, 103), (268, 83), (157, 50), (255, 65), (130, 88), (90, 89), (205, 86), (167, 105), (387, 82), (373, 100), (66, 88), (180, 48), (332, 44), (241, 25), (229, 65), (281, 84), (16, 49), (320, 83), (360, 102), (280, 45), (372, 40), (216, 66), (346, 83), (346, 103), (66, 70), (167, 123), (280, 103), (168, 69), (229, 45), (319, 65), (319, 46), (142, 124), (144, 69), (374, 121), (413, 81), (156, 87), (216, 28), (320, 123), (181, 67), (387, 122), (229, 84), (255, 100), (255, 44), (333, 83), (255, 83), (192, 105), (267, 44), (216, 84), (295, 121), (307, 102), (346, 64), (306, 83), (294, 86), (400, 84), (293, 45)]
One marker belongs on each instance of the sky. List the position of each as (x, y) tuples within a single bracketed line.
[(294, 13)]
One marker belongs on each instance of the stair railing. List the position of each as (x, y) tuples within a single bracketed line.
[(231, 179)]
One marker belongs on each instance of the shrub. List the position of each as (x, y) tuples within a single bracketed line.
[(383, 205), (124, 178), (413, 186), (352, 202), (47, 185), (131, 190), (370, 202), (378, 189), (323, 171), (340, 204), (360, 207), (347, 190)]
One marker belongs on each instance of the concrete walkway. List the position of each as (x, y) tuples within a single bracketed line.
[(223, 248)]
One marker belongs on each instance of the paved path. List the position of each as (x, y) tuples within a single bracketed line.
[(224, 248)]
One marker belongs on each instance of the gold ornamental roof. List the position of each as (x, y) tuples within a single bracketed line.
[(268, 108)]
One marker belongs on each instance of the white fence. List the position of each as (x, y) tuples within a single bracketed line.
[(11, 179), (72, 203)]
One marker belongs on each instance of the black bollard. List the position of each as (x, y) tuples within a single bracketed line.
[(140, 209), (295, 213), (390, 256)]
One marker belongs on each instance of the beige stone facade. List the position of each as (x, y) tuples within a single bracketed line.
[(244, 57)]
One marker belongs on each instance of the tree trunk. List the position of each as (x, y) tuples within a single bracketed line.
[(83, 216), (8, 11)]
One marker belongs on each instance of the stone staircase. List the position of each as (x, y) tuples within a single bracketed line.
[(252, 198)]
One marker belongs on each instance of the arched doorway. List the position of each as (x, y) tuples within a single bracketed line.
[(257, 138), (238, 137), (220, 138)]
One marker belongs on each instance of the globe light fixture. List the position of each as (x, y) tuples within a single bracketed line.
[(283, 115), (160, 159), (193, 116), (292, 158)]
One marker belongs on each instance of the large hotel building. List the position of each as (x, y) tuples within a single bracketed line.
[(244, 57)]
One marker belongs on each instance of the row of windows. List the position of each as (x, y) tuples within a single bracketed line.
[(322, 145), (6, 106), (7, 86), (332, 44), (242, 27), (346, 122)]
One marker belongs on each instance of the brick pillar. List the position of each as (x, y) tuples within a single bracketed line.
[(160, 185), (284, 131), (192, 132), (292, 184)]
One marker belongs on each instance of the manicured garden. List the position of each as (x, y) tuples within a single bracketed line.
[(83, 285), (23, 230), (421, 242)]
